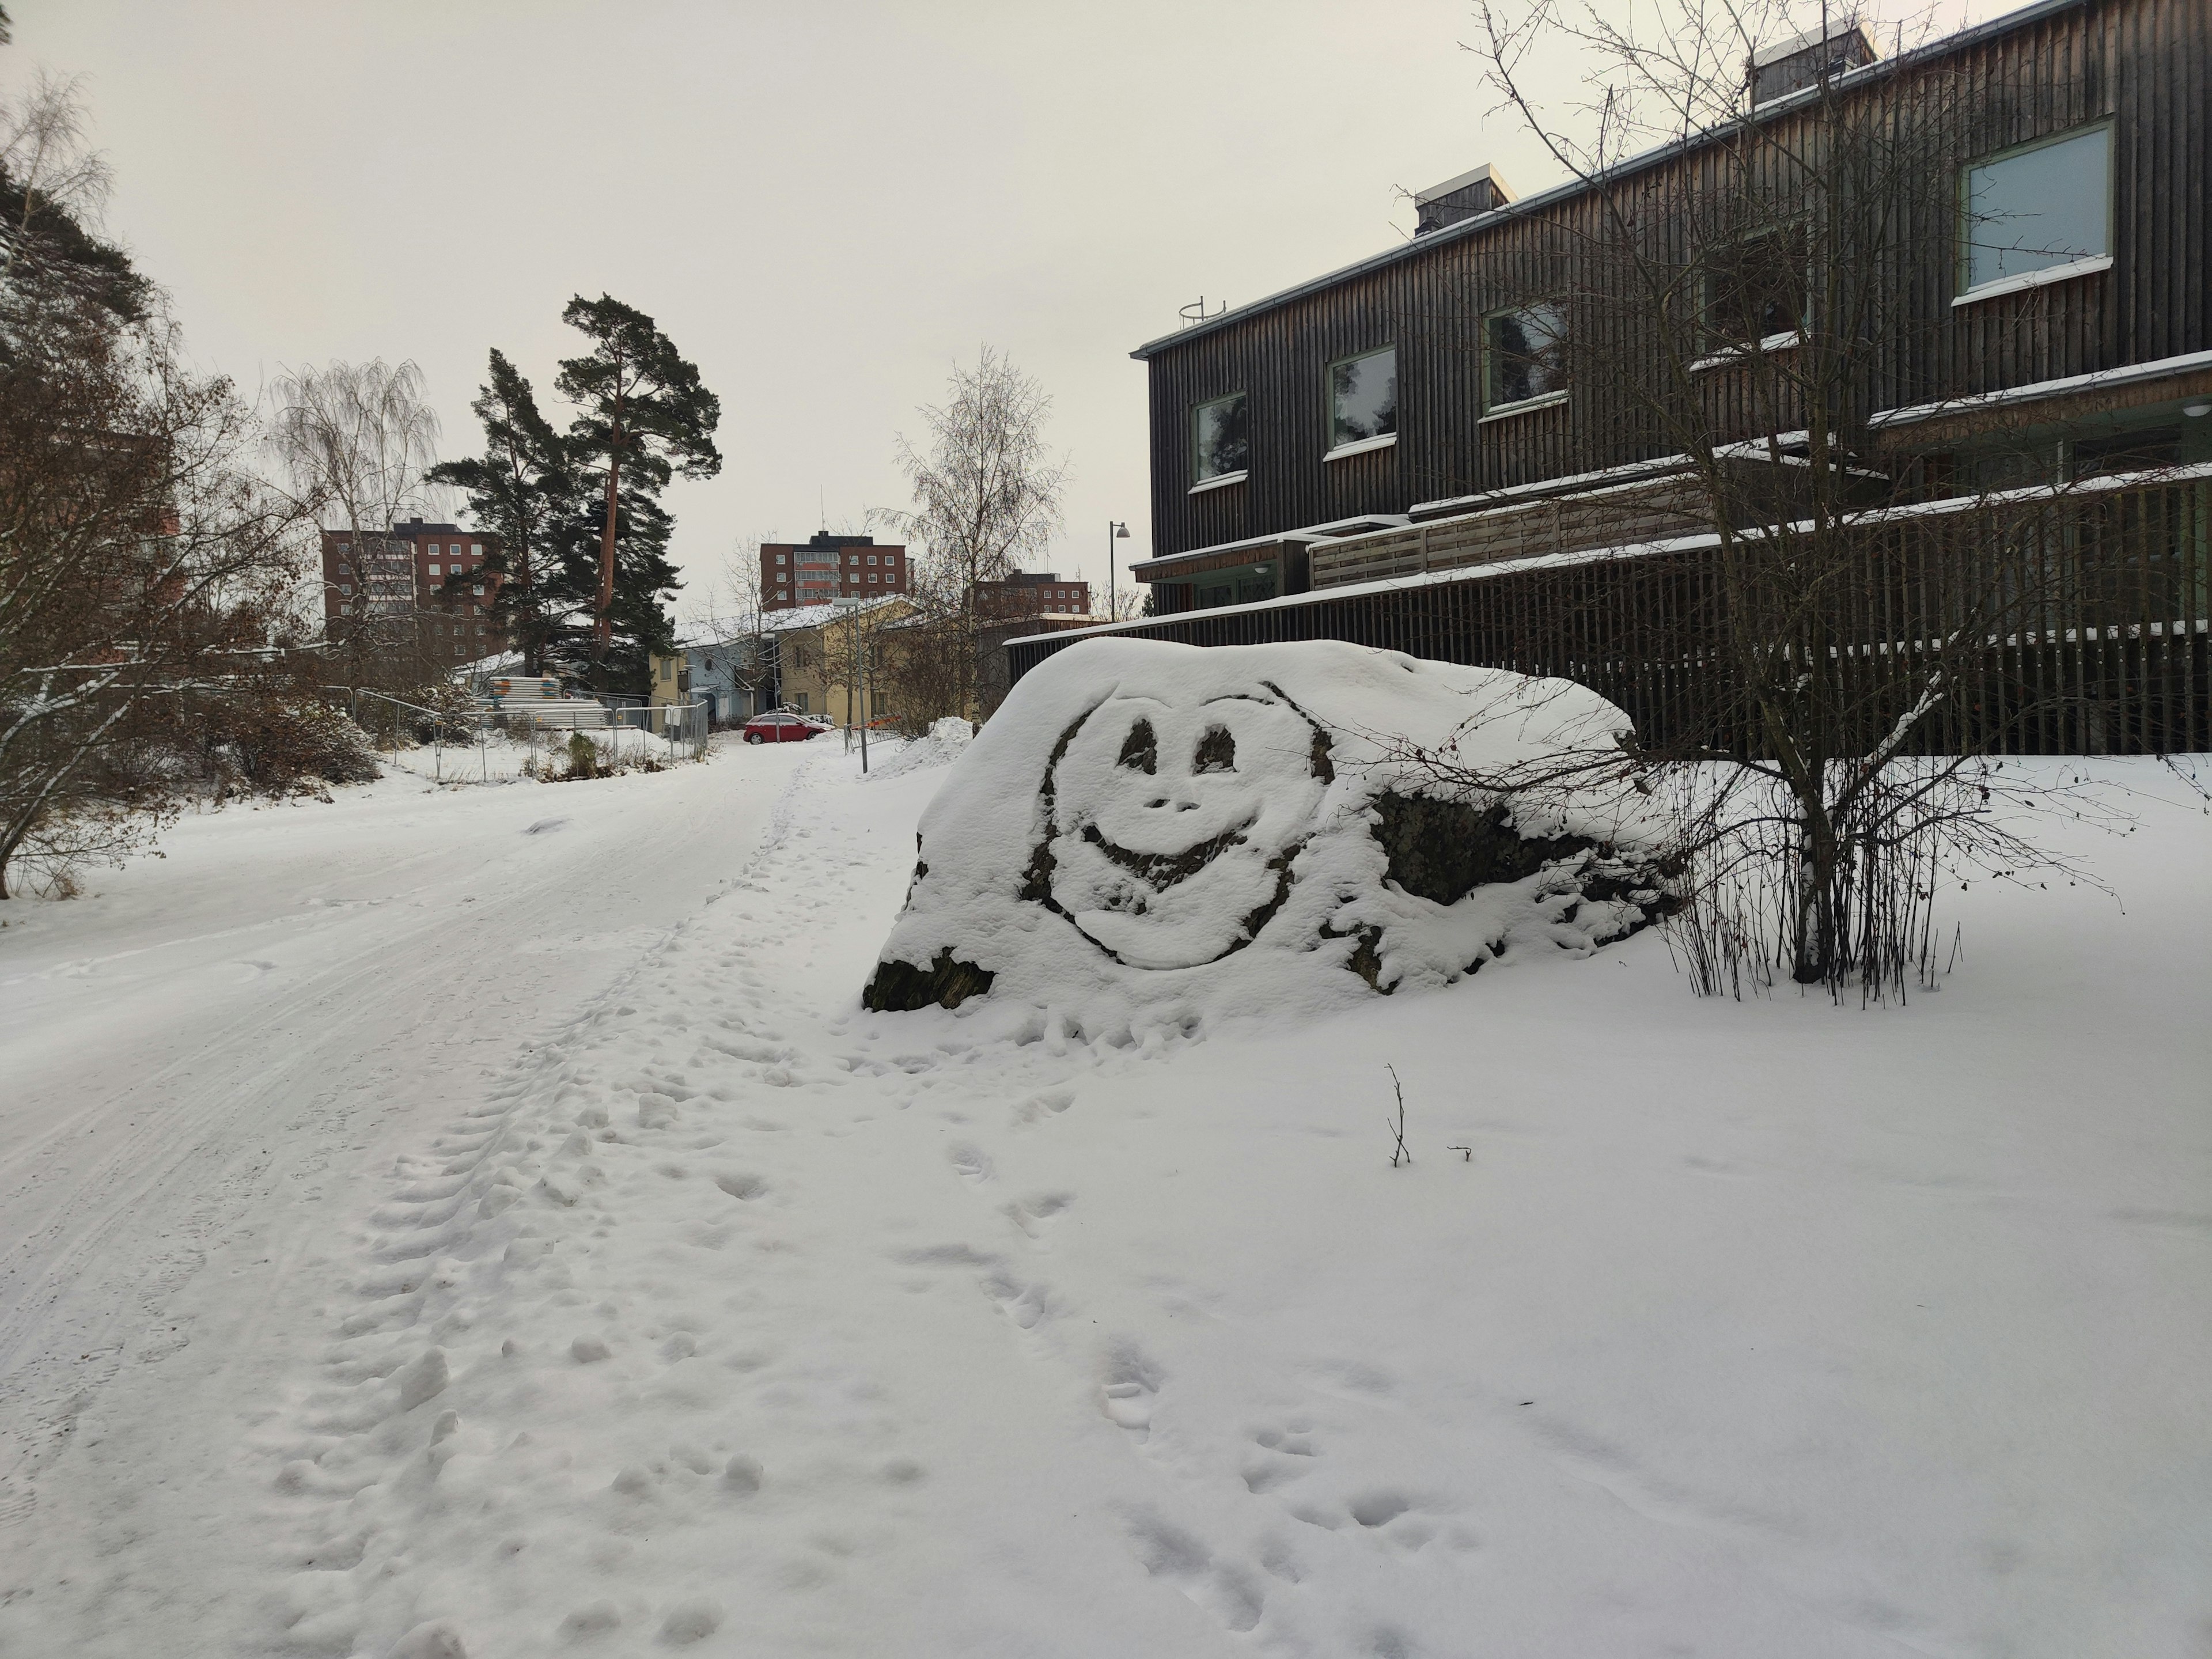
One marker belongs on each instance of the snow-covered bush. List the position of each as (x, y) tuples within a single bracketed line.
[(273, 744), (1151, 831)]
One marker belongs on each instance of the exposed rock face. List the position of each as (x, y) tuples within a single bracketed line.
[(946, 982), (1144, 824)]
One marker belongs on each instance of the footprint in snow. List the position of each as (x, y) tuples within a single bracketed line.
[(1030, 1214), (1128, 1387), (970, 1161)]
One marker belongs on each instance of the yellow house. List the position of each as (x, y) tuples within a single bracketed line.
[(823, 657), (670, 680)]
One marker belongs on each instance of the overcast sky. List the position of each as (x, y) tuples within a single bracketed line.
[(824, 204)]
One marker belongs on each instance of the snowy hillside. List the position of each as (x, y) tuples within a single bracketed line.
[(485, 1222)]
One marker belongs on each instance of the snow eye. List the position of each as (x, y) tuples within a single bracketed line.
[(1140, 748), (1216, 752)]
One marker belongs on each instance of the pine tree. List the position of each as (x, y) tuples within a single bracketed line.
[(523, 491), (644, 417), (635, 623)]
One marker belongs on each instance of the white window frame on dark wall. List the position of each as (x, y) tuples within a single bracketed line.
[(1498, 408), (1990, 265), (1345, 440), (1205, 471)]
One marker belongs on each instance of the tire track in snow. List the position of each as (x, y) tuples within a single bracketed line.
[(239, 1124)]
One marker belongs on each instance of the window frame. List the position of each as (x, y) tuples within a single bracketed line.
[(1201, 481), (1493, 409), (1962, 218), (1717, 347), (1337, 452)]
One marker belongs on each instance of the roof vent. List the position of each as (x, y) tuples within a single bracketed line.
[(1805, 59), (1462, 197)]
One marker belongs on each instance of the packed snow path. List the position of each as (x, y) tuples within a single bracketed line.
[(203, 1061), (705, 1311)]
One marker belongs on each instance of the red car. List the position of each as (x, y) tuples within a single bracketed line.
[(782, 726)]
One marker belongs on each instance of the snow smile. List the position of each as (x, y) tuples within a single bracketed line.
[(1122, 862), (1161, 870)]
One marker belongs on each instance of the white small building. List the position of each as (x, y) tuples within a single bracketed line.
[(728, 676)]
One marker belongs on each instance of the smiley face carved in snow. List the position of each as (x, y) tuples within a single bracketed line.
[(1169, 830)]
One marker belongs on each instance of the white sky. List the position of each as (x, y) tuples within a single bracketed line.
[(825, 205)]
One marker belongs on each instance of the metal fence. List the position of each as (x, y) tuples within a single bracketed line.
[(461, 741), (2086, 612)]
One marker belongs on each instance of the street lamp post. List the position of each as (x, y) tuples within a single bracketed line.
[(1114, 532)]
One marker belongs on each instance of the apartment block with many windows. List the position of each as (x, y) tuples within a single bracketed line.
[(432, 574), (1032, 593), (825, 567)]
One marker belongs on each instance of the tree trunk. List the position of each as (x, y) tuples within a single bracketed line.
[(1816, 934), (603, 622)]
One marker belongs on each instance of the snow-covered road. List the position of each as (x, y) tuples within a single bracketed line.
[(204, 1060), (552, 1257)]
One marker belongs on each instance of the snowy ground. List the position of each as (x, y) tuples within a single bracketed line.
[(483, 1222)]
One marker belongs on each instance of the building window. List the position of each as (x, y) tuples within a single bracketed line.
[(1755, 290), (346, 588), (871, 558), (1220, 445), (1527, 355), (778, 558), (476, 549), (2040, 207), (1362, 398)]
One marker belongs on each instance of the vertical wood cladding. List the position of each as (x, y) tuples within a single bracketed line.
[(2145, 65)]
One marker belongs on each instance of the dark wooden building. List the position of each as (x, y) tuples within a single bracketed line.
[(2057, 276), (1996, 401)]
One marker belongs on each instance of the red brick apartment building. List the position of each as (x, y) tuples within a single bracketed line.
[(1032, 594), (826, 567), (434, 573)]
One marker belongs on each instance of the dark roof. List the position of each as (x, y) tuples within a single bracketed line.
[(1634, 164)]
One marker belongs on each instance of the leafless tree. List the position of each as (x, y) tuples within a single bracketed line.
[(1840, 608), (987, 498), (144, 570), (354, 440), (151, 641), (45, 155)]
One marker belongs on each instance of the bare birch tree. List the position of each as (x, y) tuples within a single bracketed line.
[(355, 441), (987, 498)]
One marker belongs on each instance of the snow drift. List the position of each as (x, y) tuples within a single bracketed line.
[(941, 745), (1151, 830)]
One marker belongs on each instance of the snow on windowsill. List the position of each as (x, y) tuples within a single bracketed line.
[(1220, 481), (2028, 279), (1526, 405), (1787, 340), (1360, 448)]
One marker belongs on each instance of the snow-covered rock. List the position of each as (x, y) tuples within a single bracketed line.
[(1148, 830)]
